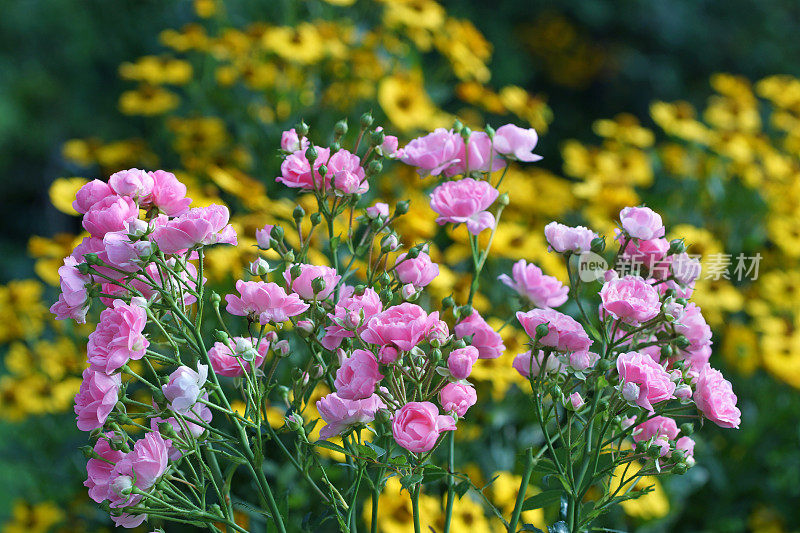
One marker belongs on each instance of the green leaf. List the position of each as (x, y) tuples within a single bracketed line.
[(410, 480), (330, 446), (378, 450), (542, 499), (366, 451), (462, 488), (432, 473), (398, 460)]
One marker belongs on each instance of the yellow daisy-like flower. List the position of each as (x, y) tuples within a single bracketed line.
[(62, 193), (148, 100), (652, 505), (422, 14), (33, 518), (301, 44), (394, 509), (156, 70), (405, 102)]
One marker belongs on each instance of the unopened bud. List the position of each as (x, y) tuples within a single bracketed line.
[(630, 391), (306, 326), (374, 168), (295, 271), (503, 199), (340, 128), (282, 348), (259, 267), (366, 120), (294, 421), (402, 207), (221, 336), (389, 243), (301, 129), (215, 299), (687, 428), (318, 285), (386, 296), (277, 233), (598, 245), (408, 291), (92, 259), (666, 351), (541, 331), (448, 302), (682, 342), (298, 213), (676, 246), (83, 268), (377, 138), (315, 218), (311, 154), (352, 320)]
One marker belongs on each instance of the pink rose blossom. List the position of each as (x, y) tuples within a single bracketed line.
[(516, 143), (302, 284), (265, 302), (576, 400), (532, 285), (439, 332), (169, 194), (686, 445), (417, 425), (652, 380), (90, 194), (563, 238), (419, 271), (133, 182), (296, 170), (263, 236), (387, 355), (340, 414), (630, 299), (358, 375), (488, 342), (642, 252), (99, 470), (465, 201), (642, 223), (292, 142), (684, 268), (226, 363), (528, 365), (73, 301), (96, 399), (564, 334), (201, 226), (184, 387), (123, 253), (693, 326), (378, 209), (715, 398), (118, 337), (402, 326), (461, 360), (434, 152), (142, 467), (112, 213), (199, 412), (368, 304), (344, 168), (458, 398), (582, 360), (477, 155), (654, 427)]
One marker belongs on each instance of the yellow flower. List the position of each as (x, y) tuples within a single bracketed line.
[(784, 231), (679, 119), (301, 44), (740, 348), (534, 109), (205, 8), (466, 49), (62, 193), (148, 100), (341, 2), (33, 518), (406, 104), (190, 37), (22, 312), (503, 494), (422, 14), (624, 128), (156, 70), (654, 504)]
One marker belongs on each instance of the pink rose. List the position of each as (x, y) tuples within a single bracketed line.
[(90, 194), (488, 342), (134, 183), (263, 236), (564, 333), (368, 305), (528, 365), (516, 143), (434, 152), (693, 326), (460, 361), (341, 414), (73, 301), (378, 209), (686, 445), (417, 425), (265, 302), (302, 284), (465, 201), (296, 170), (657, 426), (99, 470), (201, 226), (358, 375), (457, 398), (582, 360), (344, 168), (576, 400), (477, 155), (169, 194), (684, 268), (96, 399), (715, 398), (292, 142), (142, 467), (227, 363), (653, 382), (402, 326), (124, 253), (642, 252), (630, 299), (533, 286), (118, 337), (419, 271), (184, 387), (112, 213), (563, 238), (199, 412), (642, 223)]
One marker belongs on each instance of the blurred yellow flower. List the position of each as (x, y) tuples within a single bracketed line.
[(62, 193)]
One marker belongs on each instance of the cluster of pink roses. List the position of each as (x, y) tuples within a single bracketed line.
[(659, 343)]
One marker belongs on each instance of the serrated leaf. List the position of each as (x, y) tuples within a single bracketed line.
[(365, 451), (544, 498), (378, 450), (410, 480)]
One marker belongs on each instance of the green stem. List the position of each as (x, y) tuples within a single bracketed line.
[(451, 487), (523, 489), (415, 507)]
